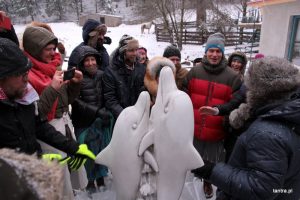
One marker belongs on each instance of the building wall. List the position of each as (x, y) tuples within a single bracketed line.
[(275, 33), (110, 20)]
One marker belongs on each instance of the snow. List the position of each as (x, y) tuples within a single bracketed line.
[(71, 35)]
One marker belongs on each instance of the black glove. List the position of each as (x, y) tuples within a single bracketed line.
[(104, 115), (205, 170), (107, 40)]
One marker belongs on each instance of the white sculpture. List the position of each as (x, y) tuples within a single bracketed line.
[(171, 131), (121, 155)]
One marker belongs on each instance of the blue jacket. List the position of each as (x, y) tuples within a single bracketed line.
[(266, 158)]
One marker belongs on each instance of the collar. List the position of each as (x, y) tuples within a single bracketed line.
[(214, 69)]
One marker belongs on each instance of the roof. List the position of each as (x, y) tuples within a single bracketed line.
[(262, 3)]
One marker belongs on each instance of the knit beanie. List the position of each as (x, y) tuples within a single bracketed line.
[(127, 42), (12, 59), (170, 51), (90, 28), (36, 38), (216, 40)]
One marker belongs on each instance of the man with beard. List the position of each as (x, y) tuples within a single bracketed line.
[(210, 83), (173, 53), (20, 123), (124, 79), (93, 34)]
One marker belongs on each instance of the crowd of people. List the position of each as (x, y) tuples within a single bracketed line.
[(246, 124)]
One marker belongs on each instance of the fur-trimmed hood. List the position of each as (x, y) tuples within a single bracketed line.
[(152, 72), (272, 85), (241, 55)]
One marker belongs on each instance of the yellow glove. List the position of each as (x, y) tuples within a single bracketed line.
[(55, 156), (80, 157)]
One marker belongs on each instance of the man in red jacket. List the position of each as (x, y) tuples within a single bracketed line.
[(211, 83)]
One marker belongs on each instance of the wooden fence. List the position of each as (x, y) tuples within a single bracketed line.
[(200, 37)]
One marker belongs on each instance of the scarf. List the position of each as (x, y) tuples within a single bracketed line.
[(41, 75)]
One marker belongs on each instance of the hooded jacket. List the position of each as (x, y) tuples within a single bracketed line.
[(265, 161), (266, 157), (90, 99), (87, 28), (52, 103)]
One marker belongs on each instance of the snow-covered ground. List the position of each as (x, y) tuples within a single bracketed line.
[(71, 35)]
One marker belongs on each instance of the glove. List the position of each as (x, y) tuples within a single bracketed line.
[(105, 116), (61, 48), (55, 156), (80, 157), (107, 40), (204, 171)]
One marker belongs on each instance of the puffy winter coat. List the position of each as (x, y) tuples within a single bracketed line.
[(20, 129), (208, 86), (265, 160), (90, 100), (122, 86)]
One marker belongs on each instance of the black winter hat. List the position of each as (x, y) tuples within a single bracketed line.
[(89, 26), (12, 59), (170, 51)]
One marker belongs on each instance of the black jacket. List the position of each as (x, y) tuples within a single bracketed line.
[(122, 86), (265, 160), (20, 128), (90, 100), (75, 56)]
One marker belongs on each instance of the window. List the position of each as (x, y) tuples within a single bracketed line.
[(294, 47)]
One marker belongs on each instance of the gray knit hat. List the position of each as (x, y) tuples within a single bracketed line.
[(216, 40), (170, 51)]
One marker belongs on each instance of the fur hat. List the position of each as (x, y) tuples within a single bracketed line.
[(36, 38), (152, 72), (170, 51), (271, 75), (127, 42), (90, 28), (216, 40), (12, 59)]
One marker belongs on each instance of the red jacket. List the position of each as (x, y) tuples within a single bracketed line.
[(208, 88)]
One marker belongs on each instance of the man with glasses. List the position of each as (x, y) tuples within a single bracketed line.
[(20, 123)]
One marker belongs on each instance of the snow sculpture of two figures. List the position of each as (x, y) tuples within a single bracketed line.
[(169, 129)]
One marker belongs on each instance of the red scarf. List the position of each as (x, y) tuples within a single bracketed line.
[(41, 75)]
